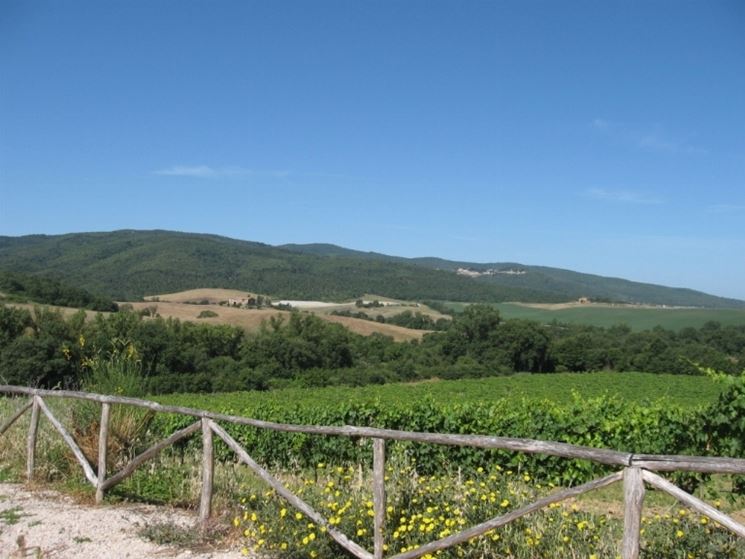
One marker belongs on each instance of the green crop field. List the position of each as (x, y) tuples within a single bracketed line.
[(633, 412), (560, 388), (637, 318)]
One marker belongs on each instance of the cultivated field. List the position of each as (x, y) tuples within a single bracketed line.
[(66, 311), (636, 317), (559, 388), (249, 319), (181, 306), (447, 488), (390, 307), (213, 295)]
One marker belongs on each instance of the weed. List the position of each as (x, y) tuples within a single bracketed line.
[(23, 551), (172, 534), (11, 516), (119, 372)]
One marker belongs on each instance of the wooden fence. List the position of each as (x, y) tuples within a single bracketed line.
[(636, 469)]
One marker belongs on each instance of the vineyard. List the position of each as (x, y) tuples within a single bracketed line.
[(560, 388), (435, 490), (656, 414)]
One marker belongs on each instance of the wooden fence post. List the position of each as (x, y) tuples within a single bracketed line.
[(379, 495), (103, 445), (31, 440), (12, 419), (633, 495), (208, 462), (638, 468)]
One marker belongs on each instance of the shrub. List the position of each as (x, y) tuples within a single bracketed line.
[(119, 372)]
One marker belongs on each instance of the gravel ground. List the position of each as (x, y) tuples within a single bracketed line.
[(47, 524)]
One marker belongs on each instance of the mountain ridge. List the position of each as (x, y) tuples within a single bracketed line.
[(129, 263), (560, 278)]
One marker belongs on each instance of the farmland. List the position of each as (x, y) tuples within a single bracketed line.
[(559, 388), (442, 489), (187, 305), (180, 353), (632, 412), (636, 317)]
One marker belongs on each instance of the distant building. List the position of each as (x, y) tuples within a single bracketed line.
[(242, 301), (468, 272), (583, 300), (471, 273)]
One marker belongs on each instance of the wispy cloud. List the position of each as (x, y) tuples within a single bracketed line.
[(650, 138), (652, 142), (601, 124), (622, 196), (187, 171), (207, 172), (725, 208)]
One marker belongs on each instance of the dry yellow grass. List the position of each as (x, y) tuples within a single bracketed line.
[(66, 311), (397, 307), (367, 327), (251, 319), (248, 319), (387, 311), (175, 305), (213, 295)]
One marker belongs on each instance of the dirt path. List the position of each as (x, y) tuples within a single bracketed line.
[(47, 524)]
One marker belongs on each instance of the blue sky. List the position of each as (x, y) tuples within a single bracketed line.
[(604, 137)]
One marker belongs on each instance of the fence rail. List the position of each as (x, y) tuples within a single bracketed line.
[(637, 469)]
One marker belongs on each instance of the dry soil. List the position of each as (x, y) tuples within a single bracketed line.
[(46, 524)]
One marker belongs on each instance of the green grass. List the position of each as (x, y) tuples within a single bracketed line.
[(687, 391), (11, 516), (636, 318)]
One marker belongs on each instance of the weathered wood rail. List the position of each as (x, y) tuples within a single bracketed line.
[(637, 469)]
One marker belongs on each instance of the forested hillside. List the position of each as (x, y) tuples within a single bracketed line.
[(129, 264), (571, 285), (23, 288)]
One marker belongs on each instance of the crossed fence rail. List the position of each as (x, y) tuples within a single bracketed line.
[(637, 469)]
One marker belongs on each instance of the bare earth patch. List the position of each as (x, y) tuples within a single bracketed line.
[(48, 524)]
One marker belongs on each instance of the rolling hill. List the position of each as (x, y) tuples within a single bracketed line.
[(129, 264), (571, 285)]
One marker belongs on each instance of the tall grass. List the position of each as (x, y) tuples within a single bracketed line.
[(117, 371)]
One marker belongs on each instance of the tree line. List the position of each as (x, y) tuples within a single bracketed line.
[(407, 319), (49, 291), (43, 348)]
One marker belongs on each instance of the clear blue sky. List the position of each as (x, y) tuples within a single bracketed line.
[(605, 137)]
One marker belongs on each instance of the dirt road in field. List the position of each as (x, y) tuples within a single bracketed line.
[(43, 523)]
